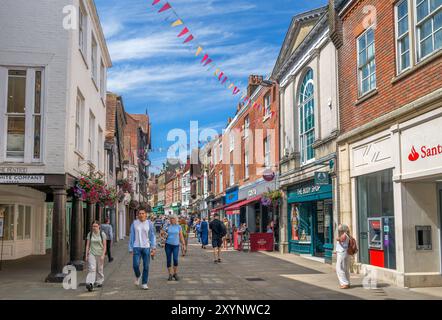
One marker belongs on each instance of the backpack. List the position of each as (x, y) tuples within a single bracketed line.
[(352, 246)]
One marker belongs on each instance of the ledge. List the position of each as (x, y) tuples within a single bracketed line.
[(416, 67), (78, 153), (366, 97), (84, 58)]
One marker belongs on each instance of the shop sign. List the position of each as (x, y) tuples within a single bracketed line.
[(268, 175), (308, 190), (14, 170), (322, 178), (251, 193), (19, 179), (425, 152)]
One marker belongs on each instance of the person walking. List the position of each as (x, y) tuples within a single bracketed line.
[(343, 258), (95, 253), (174, 236), (198, 230), (218, 233), (204, 231), (142, 244), (158, 224), (109, 231), (185, 231)]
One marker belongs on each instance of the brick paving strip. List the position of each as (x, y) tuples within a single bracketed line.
[(241, 275)]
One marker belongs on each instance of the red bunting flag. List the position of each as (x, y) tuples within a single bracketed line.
[(182, 33), (224, 81), (167, 6), (206, 56), (189, 38), (208, 61), (220, 76), (236, 91), (155, 2)]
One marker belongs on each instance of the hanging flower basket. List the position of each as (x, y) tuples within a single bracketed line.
[(92, 189), (125, 185)]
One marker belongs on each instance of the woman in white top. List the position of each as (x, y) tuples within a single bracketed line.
[(343, 258)]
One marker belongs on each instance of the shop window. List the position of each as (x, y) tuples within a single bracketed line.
[(28, 223), (7, 219), (375, 203)]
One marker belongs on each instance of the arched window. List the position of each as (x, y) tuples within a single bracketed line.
[(306, 108)]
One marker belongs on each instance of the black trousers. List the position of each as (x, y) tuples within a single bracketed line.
[(108, 249)]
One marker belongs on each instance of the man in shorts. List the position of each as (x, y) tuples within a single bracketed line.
[(218, 232)]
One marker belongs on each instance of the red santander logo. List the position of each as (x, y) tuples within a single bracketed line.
[(425, 152), (413, 156)]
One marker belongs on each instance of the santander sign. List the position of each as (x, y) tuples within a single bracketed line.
[(425, 152)]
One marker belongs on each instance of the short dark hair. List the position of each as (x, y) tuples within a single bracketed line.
[(216, 215), (95, 222)]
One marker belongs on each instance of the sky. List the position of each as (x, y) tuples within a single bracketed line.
[(153, 70)]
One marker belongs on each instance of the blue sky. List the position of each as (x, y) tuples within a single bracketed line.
[(152, 68)]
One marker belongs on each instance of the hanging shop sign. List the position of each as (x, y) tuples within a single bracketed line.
[(268, 175), (322, 178), (232, 196), (21, 179)]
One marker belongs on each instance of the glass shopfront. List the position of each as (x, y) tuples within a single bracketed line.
[(375, 203)]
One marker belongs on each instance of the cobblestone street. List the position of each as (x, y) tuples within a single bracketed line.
[(242, 275)]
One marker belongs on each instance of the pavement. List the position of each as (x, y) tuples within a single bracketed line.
[(241, 276)]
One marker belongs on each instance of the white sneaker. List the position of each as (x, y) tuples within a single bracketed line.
[(137, 281), (145, 287)]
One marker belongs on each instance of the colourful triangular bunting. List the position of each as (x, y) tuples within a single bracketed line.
[(167, 6)]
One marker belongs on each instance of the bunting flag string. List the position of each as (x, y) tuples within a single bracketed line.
[(198, 49)]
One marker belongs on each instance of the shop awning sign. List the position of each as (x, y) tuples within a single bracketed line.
[(21, 179)]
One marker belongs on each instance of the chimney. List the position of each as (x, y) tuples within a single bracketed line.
[(254, 82)]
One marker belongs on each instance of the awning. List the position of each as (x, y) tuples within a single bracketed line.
[(234, 208), (218, 209)]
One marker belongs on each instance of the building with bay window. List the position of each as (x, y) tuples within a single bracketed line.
[(306, 71), (52, 122), (390, 147)]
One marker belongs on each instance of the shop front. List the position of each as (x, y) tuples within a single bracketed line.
[(231, 198), (218, 205), (310, 217)]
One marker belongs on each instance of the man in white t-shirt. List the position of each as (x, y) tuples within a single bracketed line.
[(142, 245)]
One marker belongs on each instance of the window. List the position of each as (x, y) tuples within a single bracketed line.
[(91, 140), (267, 152), (428, 27), (99, 148), (23, 223), (103, 80), (232, 175), (267, 105), (403, 36), (307, 118), (246, 164), (82, 22), (94, 59), (206, 190), (23, 126), (7, 215), (79, 122), (111, 162), (220, 152), (246, 126), (232, 141), (366, 62), (220, 181)]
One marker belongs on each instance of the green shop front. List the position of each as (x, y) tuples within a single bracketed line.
[(310, 220)]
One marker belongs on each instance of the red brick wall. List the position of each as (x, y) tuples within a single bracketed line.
[(390, 96)]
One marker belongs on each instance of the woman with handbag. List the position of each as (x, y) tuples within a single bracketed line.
[(342, 256), (174, 236)]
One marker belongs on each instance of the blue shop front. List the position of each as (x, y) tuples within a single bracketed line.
[(310, 217)]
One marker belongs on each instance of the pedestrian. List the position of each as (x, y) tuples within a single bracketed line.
[(218, 233), (270, 227), (204, 231), (343, 258), (226, 239), (158, 224), (198, 229), (174, 236), (185, 231), (95, 253), (107, 228), (142, 244)]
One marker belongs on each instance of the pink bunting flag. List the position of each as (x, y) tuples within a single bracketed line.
[(189, 38), (220, 76), (236, 91), (182, 33), (224, 81), (167, 6), (155, 2), (207, 62), (206, 56)]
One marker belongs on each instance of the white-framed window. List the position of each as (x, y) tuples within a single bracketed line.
[(220, 152), (206, 190), (94, 61), (306, 111), (267, 105), (17, 221), (246, 126), (366, 62), (267, 152), (220, 181), (23, 114), (246, 164), (79, 116), (232, 175), (82, 28), (102, 80), (232, 141), (402, 36), (100, 147), (91, 139), (428, 27)]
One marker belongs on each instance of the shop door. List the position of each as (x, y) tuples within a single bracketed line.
[(318, 218), (49, 211)]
